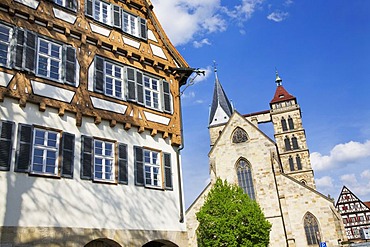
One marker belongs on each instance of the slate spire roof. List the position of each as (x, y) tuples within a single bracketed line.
[(280, 94), (221, 108)]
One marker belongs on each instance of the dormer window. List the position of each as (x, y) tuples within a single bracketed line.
[(281, 96)]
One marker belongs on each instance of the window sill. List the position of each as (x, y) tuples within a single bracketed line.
[(45, 175), (102, 181)]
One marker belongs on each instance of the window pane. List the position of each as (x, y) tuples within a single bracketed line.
[(45, 151)]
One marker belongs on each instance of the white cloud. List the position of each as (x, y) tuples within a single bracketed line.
[(365, 174), (324, 182), (183, 20), (278, 16), (358, 187), (288, 2), (350, 152), (198, 44)]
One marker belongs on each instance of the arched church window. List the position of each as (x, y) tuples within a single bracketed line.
[(239, 135), (245, 178), (283, 124), (291, 163), (290, 123), (298, 161), (295, 142), (287, 144), (311, 229)]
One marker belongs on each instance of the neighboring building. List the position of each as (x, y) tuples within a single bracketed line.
[(355, 214), (90, 125), (277, 174)]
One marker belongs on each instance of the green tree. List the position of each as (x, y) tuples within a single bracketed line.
[(230, 218)]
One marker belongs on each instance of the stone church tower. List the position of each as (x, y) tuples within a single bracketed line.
[(290, 135), (276, 173)]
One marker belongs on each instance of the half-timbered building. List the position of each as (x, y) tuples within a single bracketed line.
[(355, 214), (90, 125)]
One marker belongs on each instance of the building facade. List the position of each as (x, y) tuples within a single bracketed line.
[(90, 125), (276, 173), (355, 214)]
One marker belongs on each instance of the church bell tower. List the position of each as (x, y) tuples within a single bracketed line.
[(290, 135)]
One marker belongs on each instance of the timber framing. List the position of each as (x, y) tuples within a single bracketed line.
[(88, 44)]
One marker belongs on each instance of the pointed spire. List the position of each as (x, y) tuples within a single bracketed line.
[(278, 80), (221, 108)]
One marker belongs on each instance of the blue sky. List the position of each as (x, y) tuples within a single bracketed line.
[(322, 52)]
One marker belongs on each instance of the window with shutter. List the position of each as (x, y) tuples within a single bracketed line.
[(139, 166), (152, 169), (68, 145), (5, 38), (86, 157), (6, 143), (24, 148), (122, 164), (167, 104), (167, 171), (49, 59), (134, 25), (30, 52), (70, 65)]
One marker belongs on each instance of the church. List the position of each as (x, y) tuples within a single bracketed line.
[(276, 173)]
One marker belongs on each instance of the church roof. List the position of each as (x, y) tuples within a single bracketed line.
[(281, 94), (220, 100)]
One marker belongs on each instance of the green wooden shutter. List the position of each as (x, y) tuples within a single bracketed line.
[(139, 87), (68, 145), (70, 65), (167, 171), (89, 8), (18, 60), (139, 166), (116, 13), (30, 52), (99, 74), (122, 164), (6, 143), (166, 97), (131, 84), (24, 148), (142, 28), (87, 149)]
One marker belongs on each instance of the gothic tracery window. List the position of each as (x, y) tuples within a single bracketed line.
[(311, 229), (239, 135), (299, 163), (245, 178), (291, 163), (295, 142), (290, 123), (287, 144), (283, 124)]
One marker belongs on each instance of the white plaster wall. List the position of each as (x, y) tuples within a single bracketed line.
[(39, 201)]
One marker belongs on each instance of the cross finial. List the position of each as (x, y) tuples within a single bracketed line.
[(215, 69)]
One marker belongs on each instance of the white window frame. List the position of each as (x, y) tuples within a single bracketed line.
[(49, 59), (115, 79), (130, 24), (105, 158), (7, 43), (45, 147), (99, 17), (152, 168), (151, 92)]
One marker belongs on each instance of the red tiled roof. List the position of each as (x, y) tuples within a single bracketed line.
[(281, 95), (367, 204)]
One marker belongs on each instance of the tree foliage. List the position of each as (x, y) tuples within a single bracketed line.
[(230, 218)]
